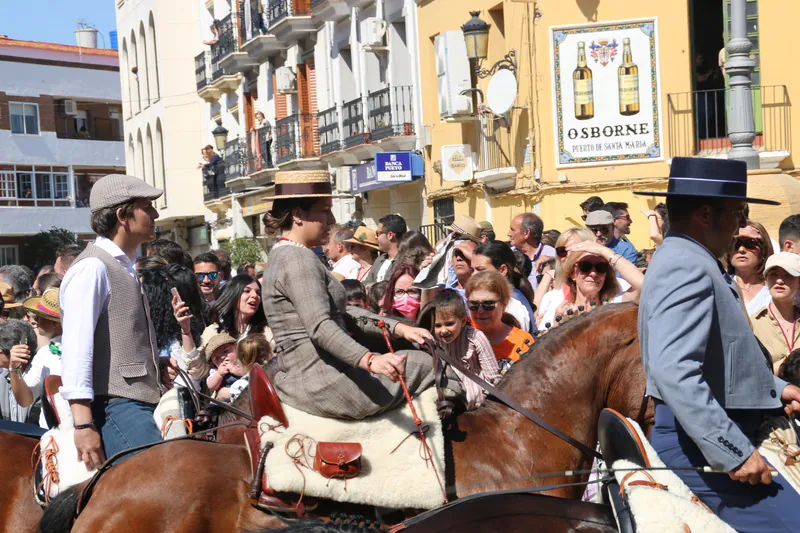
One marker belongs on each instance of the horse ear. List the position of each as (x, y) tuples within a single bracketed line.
[(264, 399)]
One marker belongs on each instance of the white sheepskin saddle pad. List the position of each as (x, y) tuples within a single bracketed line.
[(59, 457), (664, 510), (399, 479), (167, 416)]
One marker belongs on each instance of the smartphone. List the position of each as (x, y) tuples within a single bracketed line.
[(176, 295)]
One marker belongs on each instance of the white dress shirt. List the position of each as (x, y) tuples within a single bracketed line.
[(387, 264), (347, 266), (45, 363), (84, 295)]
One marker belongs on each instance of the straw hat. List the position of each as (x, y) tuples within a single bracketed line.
[(8, 296), (465, 225), (366, 237), (302, 184), (46, 305)]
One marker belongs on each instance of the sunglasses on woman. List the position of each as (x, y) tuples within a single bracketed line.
[(748, 243), (561, 251), (460, 255), (588, 266), (203, 275), (486, 305)]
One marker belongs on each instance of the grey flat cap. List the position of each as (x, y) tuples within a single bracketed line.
[(116, 189), (595, 218)]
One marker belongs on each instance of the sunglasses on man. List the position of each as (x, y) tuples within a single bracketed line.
[(486, 305), (210, 275), (588, 266), (599, 229), (748, 243)]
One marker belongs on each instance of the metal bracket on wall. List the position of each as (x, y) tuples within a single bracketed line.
[(509, 62)]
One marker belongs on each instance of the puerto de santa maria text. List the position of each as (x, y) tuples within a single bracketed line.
[(606, 93)]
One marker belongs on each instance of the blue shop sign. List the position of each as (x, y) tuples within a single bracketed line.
[(389, 168)]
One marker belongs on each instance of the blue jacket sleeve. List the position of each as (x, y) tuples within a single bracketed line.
[(679, 324)]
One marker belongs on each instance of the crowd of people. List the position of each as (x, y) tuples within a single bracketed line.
[(313, 314)]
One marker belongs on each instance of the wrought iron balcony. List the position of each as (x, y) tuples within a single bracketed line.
[(235, 159), (296, 138), (201, 69), (330, 138), (353, 123), (212, 194), (257, 25), (281, 9), (226, 44), (259, 149), (697, 123), (390, 112)]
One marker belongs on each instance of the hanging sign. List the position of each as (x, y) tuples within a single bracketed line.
[(393, 166), (457, 162), (606, 93)]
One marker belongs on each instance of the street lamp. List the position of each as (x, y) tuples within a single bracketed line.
[(220, 136), (476, 35)]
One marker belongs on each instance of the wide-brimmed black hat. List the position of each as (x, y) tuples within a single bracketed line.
[(710, 178)]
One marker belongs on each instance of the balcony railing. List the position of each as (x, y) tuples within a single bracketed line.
[(500, 140), (226, 44), (235, 159), (330, 139), (353, 123), (259, 149), (95, 129), (213, 194), (201, 69), (390, 112), (256, 25), (280, 9), (698, 121), (296, 138), (434, 232)]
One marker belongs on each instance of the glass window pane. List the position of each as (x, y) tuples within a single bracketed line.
[(17, 120), (61, 185), (752, 26), (24, 185), (755, 78), (31, 120), (43, 186), (751, 9)]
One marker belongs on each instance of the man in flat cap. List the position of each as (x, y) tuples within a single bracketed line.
[(110, 366)]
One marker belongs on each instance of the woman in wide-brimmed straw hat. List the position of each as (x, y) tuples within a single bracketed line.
[(324, 361), (27, 376), (363, 246)]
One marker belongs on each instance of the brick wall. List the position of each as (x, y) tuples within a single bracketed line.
[(47, 110)]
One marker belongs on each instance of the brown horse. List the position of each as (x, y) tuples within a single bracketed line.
[(19, 513), (569, 376)]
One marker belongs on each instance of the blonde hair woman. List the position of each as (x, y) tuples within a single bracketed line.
[(588, 279), (550, 278)]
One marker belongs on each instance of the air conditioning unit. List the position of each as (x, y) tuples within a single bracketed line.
[(373, 31), (70, 107), (286, 78), (114, 113), (343, 179), (453, 75)]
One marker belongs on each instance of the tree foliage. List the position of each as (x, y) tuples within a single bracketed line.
[(43, 246), (244, 250)]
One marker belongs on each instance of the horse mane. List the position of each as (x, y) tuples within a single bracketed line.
[(590, 328)]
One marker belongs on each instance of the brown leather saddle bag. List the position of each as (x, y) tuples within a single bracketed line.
[(338, 460)]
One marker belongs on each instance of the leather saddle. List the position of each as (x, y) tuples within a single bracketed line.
[(51, 386), (619, 440), (264, 401)]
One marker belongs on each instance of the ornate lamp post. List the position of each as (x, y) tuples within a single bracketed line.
[(476, 35), (741, 125), (220, 136)]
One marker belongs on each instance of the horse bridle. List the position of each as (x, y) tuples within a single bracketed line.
[(509, 402)]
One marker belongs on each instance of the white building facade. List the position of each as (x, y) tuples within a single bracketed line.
[(60, 131), (336, 83), (162, 127)]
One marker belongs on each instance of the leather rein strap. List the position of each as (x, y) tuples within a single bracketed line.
[(512, 404)]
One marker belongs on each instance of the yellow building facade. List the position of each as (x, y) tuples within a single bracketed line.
[(522, 144)]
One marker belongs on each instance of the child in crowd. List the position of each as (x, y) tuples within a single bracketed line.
[(228, 377), (465, 343), (356, 294), (375, 297), (252, 350), (790, 368)]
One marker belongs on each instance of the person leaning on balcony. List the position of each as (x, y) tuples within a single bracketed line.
[(211, 166)]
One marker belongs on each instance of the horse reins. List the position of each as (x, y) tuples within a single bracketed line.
[(509, 402)]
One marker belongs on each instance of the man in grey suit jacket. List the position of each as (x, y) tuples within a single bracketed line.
[(709, 379)]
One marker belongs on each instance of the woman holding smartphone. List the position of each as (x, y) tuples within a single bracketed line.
[(587, 280)]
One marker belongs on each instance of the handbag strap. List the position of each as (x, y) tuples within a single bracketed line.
[(509, 402)]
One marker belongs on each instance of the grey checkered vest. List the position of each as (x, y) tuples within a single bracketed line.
[(125, 362)]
